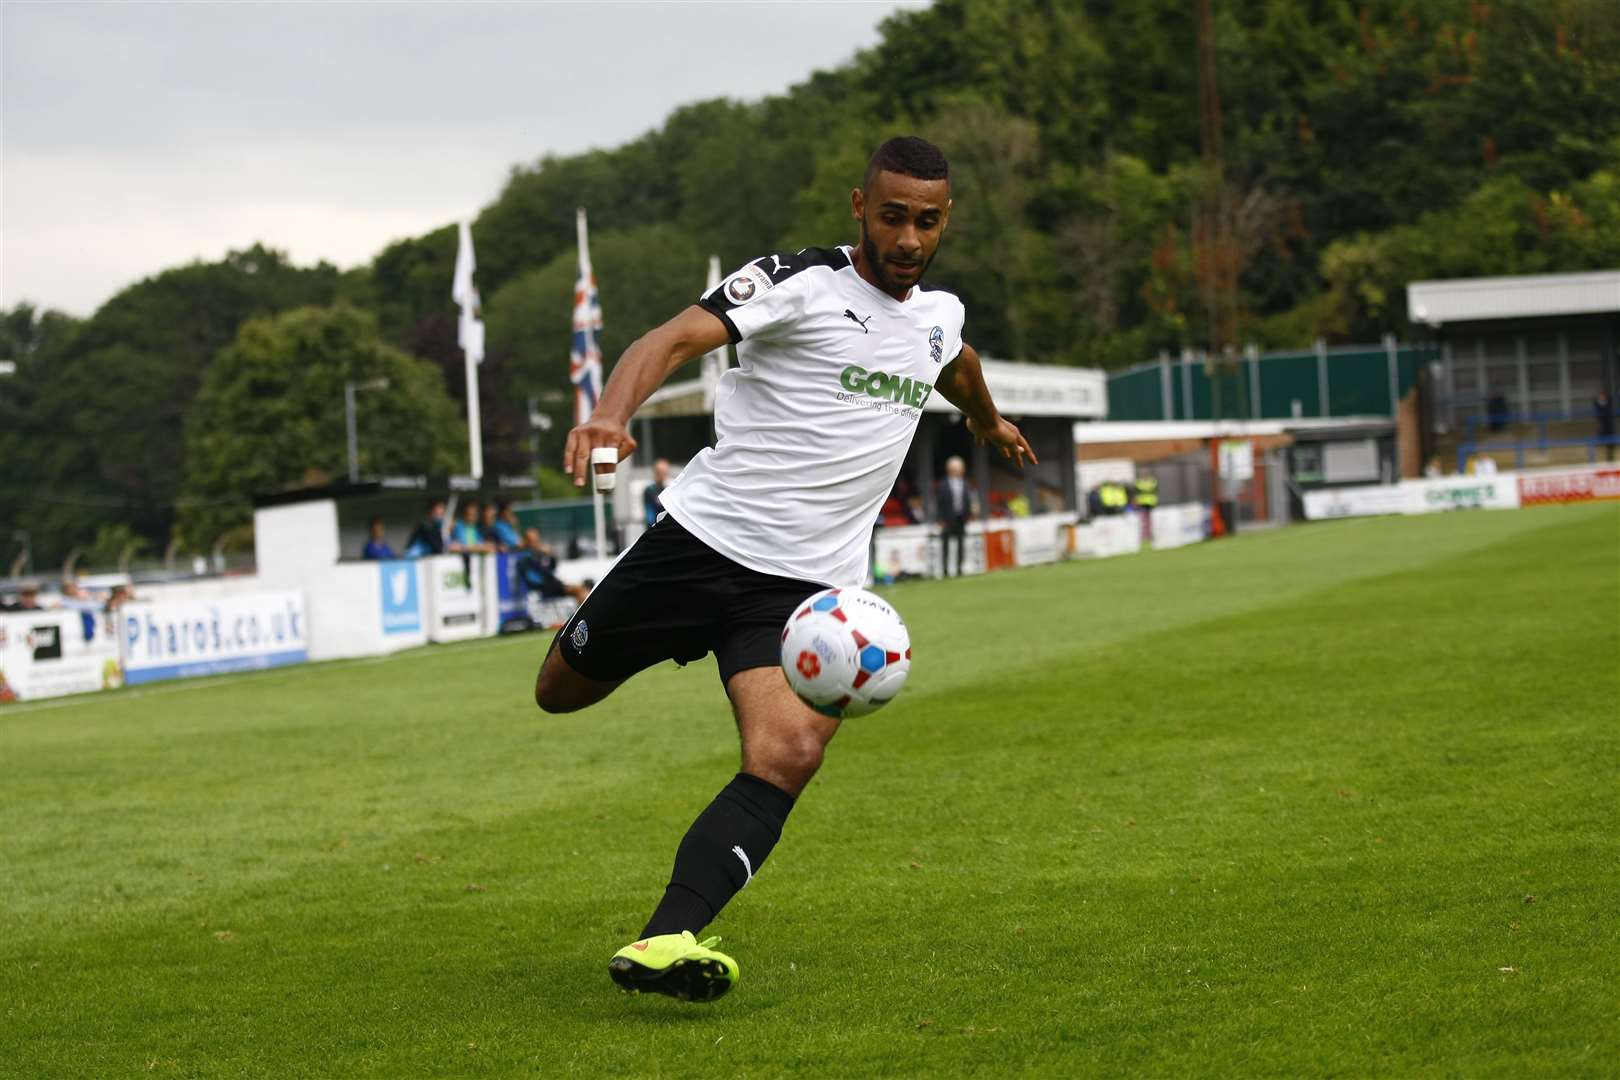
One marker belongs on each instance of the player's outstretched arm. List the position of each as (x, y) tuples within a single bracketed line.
[(962, 383), (651, 359)]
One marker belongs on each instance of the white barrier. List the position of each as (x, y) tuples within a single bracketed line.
[(1038, 539), (1103, 537), (1498, 492), (455, 596), (1179, 525), (1354, 502), (174, 640), (50, 653), (917, 549), (1426, 496)]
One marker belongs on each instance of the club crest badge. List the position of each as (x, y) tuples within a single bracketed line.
[(582, 634), (747, 284), (936, 344)]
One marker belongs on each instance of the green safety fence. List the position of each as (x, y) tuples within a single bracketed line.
[(1345, 381)]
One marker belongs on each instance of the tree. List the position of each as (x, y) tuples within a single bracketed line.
[(271, 415), (107, 401)]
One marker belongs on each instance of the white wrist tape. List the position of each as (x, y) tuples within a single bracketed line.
[(604, 455)]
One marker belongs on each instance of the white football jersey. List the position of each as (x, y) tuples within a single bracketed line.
[(813, 424)]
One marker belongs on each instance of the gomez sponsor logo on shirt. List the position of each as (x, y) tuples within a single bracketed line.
[(880, 387)]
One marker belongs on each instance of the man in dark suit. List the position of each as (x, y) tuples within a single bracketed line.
[(957, 504)]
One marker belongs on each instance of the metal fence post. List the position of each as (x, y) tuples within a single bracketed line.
[(1321, 378)]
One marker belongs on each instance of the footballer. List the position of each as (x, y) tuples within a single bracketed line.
[(837, 350)]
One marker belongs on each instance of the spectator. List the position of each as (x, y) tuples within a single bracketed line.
[(957, 504), (651, 501), (505, 534), (121, 595), (1603, 410), (537, 569), (1496, 410), (465, 536), (27, 599), (894, 510), (75, 597), (1434, 470), (1482, 465), (377, 542), (428, 537)]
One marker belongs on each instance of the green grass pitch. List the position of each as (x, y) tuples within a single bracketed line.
[(1335, 800)]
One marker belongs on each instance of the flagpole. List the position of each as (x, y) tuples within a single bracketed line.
[(475, 434), (580, 414)]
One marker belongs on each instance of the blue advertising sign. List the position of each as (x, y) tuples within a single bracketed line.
[(181, 639), (401, 603)]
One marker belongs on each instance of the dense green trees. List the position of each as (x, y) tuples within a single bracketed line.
[(1368, 143), (270, 415), (93, 419)]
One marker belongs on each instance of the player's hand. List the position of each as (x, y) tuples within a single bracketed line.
[(588, 436), (1005, 436)]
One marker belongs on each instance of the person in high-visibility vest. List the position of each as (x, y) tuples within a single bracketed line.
[(1147, 497), (1147, 492), (1114, 497)]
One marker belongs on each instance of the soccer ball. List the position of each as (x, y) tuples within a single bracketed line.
[(846, 652)]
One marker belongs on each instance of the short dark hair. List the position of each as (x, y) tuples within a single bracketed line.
[(909, 156)]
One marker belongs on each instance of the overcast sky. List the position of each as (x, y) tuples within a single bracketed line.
[(137, 137)]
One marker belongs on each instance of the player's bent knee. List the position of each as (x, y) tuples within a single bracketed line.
[(560, 689)]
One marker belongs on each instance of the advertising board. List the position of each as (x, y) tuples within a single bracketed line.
[(401, 601), (455, 600), (181, 639), (50, 653), (1327, 503), (1119, 534), (1179, 525), (1584, 485), (1500, 492)]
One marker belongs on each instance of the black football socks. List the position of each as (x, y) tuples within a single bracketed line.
[(720, 853)]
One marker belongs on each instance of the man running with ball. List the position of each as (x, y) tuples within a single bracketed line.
[(837, 350)]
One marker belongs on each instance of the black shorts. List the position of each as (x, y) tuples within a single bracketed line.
[(672, 597)]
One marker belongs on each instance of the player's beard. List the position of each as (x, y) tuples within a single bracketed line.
[(880, 268)]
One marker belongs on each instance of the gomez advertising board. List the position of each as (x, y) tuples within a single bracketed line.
[(180, 639)]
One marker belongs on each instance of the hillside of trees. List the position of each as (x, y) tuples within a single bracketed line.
[(1367, 143)]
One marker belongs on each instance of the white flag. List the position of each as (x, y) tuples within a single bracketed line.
[(469, 329), (461, 287)]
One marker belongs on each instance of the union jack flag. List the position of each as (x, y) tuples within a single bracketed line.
[(585, 356)]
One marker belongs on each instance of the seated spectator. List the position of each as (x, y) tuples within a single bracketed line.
[(27, 599), (75, 597), (465, 535), (377, 543), (428, 537), (537, 570), (506, 534)]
